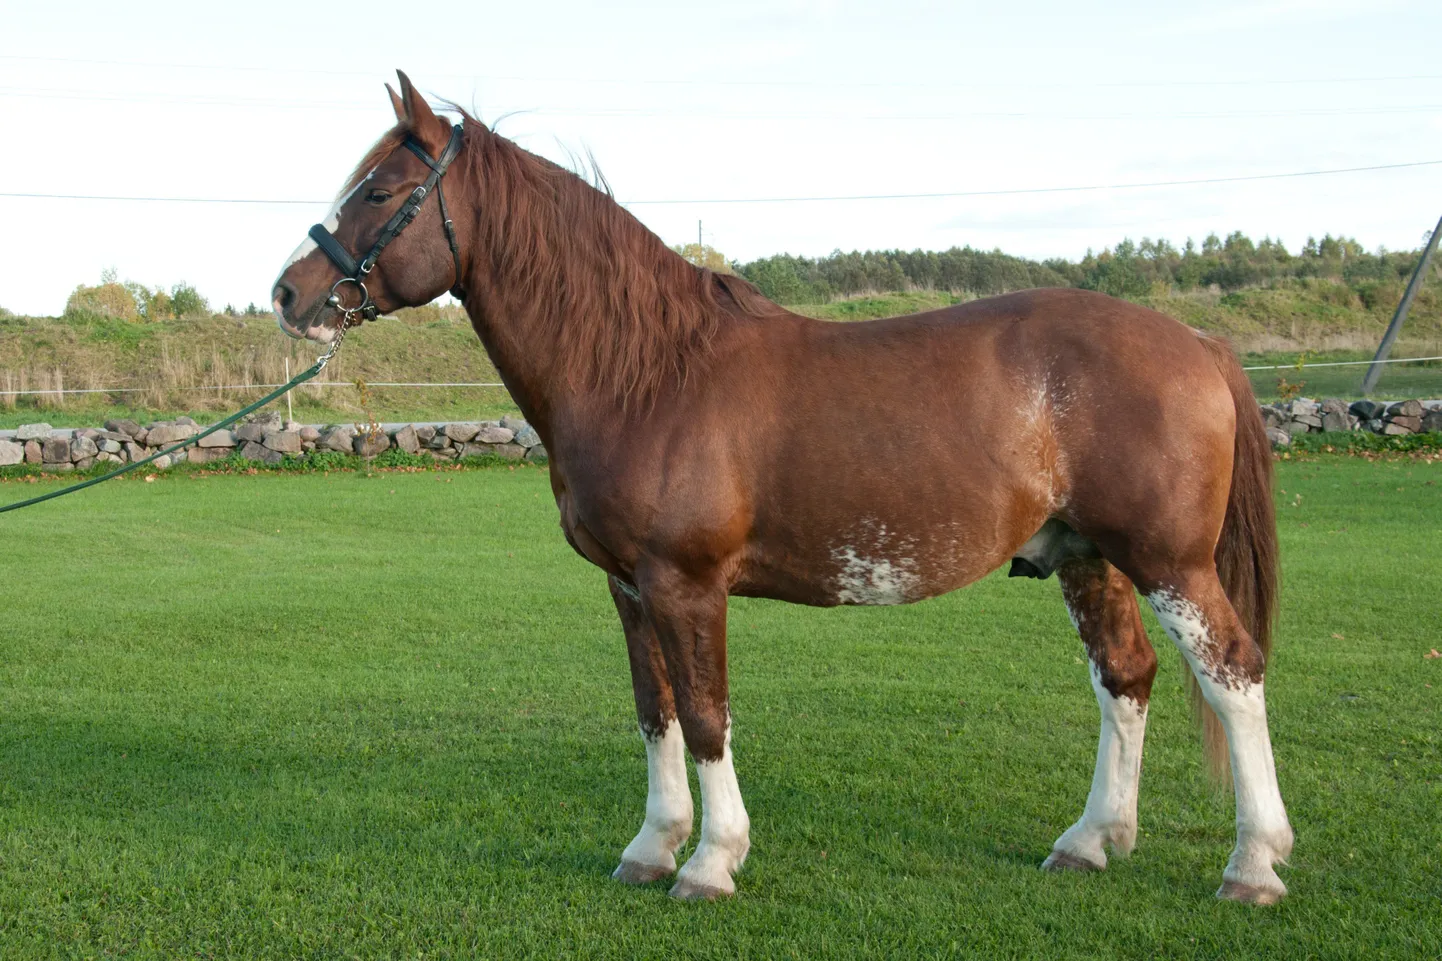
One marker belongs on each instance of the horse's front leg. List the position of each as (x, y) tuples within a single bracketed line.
[(688, 614), (651, 855)]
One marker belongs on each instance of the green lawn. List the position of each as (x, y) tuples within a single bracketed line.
[(345, 716)]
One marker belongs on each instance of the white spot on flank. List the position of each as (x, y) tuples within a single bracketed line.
[(874, 580)]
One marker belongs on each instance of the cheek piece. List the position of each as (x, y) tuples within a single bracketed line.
[(354, 272)]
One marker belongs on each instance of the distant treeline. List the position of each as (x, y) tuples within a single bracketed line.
[(1128, 270)]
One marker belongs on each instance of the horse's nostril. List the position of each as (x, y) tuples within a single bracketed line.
[(284, 296)]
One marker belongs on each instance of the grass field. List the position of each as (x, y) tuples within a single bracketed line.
[(389, 716)]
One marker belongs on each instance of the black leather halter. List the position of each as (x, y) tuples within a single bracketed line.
[(355, 273)]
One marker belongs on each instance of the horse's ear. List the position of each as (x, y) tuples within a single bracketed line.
[(425, 125), (398, 105)]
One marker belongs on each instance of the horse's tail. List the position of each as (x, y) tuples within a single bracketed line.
[(1246, 553)]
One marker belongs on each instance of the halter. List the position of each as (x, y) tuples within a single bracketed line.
[(355, 273)]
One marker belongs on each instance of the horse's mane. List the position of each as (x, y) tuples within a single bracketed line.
[(622, 311)]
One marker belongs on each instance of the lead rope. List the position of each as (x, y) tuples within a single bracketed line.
[(295, 381)]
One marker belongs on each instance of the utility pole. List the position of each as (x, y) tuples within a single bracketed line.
[(1375, 371)]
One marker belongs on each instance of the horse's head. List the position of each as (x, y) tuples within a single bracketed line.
[(313, 293)]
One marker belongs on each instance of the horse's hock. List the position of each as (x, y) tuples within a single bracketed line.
[(264, 439)]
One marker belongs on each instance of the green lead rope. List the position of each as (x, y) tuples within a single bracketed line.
[(295, 381)]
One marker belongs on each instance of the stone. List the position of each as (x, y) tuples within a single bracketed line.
[(1409, 425), (494, 434), (270, 420), (1303, 406), (370, 444), (1406, 408), (250, 433), (474, 450), (509, 451), (221, 438), (527, 437), (340, 439), (309, 434), (1432, 422), (1392, 429), (539, 455), (105, 458), (445, 453), (11, 453), (438, 442), (123, 426), (201, 455), (307, 445), (114, 435), (253, 451), (1336, 420), (1279, 437), (34, 452), (134, 452), (89, 433), (56, 450), (161, 463), (285, 441), (142, 435), (33, 431), (292, 426), (110, 447), (461, 433), (1367, 409), (1376, 425), (1295, 427), (1334, 405), (60, 468), (164, 435), (408, 440), (184, 421), (512, 423), (85, 463), (425, 432)]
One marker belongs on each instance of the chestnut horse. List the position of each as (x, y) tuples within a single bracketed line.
[(705, 442)]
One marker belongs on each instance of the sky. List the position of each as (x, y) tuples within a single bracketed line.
[(723, 102)]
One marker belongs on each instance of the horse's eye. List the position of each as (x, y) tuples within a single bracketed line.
[(377, 197)]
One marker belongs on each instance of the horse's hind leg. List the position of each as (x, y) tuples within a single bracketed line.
[(652, 854), (1229, 666), (1103, 607)]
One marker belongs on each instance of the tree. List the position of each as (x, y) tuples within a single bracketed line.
[(705, 256)]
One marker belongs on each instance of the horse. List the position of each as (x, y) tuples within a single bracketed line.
[(705, 443)]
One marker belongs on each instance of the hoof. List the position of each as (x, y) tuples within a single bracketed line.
[(690, 891), (1249, 893), (633, 872), (1062, 861)]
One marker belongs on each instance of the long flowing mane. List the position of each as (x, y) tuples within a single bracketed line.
[(625, 313)]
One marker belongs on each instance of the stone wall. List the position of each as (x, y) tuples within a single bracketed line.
[(264, 438), (1286, 419)]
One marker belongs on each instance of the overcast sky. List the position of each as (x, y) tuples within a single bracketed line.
[(268, 100)]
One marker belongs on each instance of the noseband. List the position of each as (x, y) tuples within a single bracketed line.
[(355, 273)]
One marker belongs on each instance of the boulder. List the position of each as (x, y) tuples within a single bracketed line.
[(254, 451), (183, 421), (527, 437), (142, 435), (11, 453), (1333, 405), (33, 431), (134, 452), (1433, 421), (1376, 425), (250, 433), (1393, 427), (163, 435), (270, 420), (1303, 406), (511, 422), (474, 450), (201, 455), (104, 458), (461, 433), (1367, 409), (292, 425), (123, 426), (424, 433), (438, 442), (408, 440), (539, 455), (110, 447), (161, 463), (445, 453), (1406, 408), (1409, 424), (307, 446), (509, 451), (309, 434), (1295, 427), (114, 435), (285, 441), (89, 433), (85, 463), (34, 452), (1271, 417), (1336, 420), (371, 443), (340, 439), (494, 434), (56, 450), (221, 438)]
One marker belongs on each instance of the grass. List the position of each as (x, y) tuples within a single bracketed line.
[(389, 715)]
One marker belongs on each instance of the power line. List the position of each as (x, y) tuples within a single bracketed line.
[(795, 199)]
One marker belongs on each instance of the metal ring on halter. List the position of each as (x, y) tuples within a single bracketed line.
[(349, 312)]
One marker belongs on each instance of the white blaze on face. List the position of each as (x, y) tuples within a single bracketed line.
[(668, 802), (331, 223), (725, 827), (1110, 816), (1264, 835)]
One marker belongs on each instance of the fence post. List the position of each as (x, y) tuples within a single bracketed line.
[(1383, 349)]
